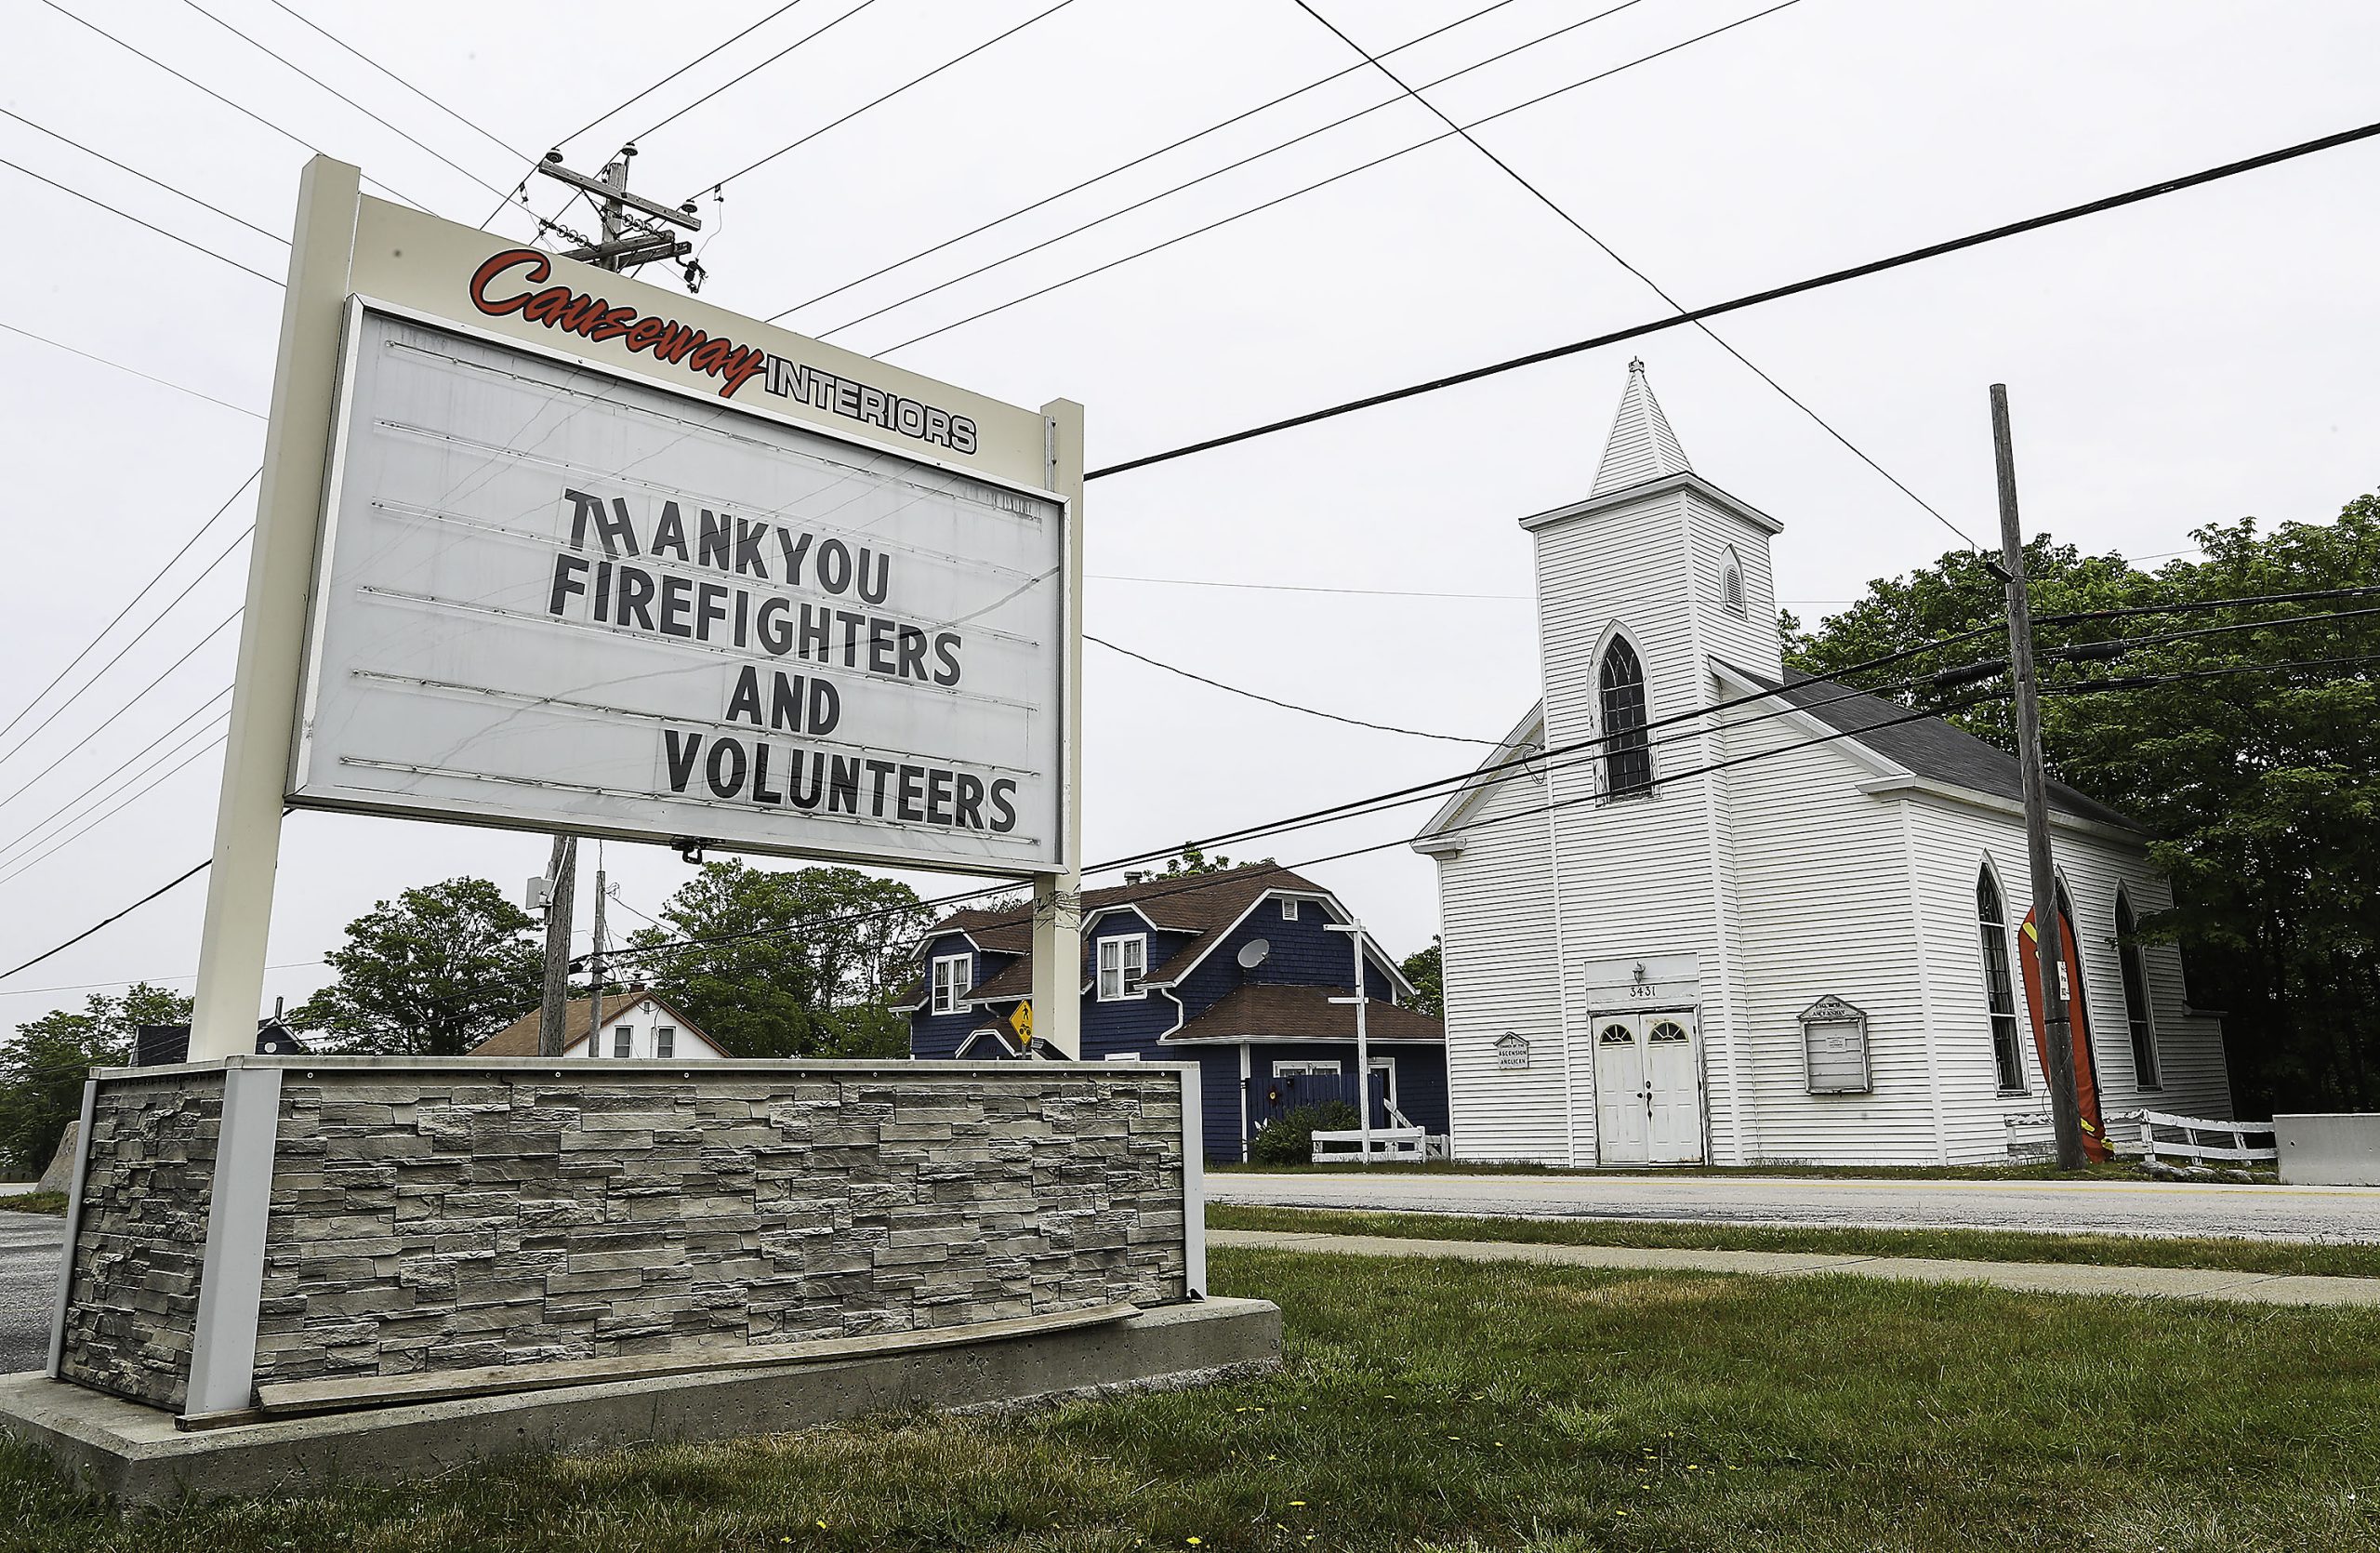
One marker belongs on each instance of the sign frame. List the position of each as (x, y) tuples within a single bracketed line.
[(344, 244), (356, 309)]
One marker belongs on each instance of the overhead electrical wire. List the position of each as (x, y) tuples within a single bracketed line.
[(1176, 145), (183, 877), (57, 841), (169, 236), (713, 95), (1238, 162), (1814, 283), (631, 102), (1287, 706), (70, 749), (405, 136), (878, 101), (117, 618), (1335, 177), (131, 770), (1655, 287), (177, 191), (134, 371), (240, 108), (471, 124)]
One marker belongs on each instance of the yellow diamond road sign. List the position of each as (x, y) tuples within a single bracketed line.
[(1022, 1023)]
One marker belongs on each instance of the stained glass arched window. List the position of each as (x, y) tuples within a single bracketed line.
[(1627, 752), (1999, 990)]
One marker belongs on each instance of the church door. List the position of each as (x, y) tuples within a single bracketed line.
[(1648, 1089)]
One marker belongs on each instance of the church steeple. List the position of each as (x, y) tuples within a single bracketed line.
[(1641, 446)]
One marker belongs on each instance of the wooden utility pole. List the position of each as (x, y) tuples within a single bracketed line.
[(562, 880), (595, 963), (2049, 961)]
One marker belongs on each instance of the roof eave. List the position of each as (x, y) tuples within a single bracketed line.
[(1647, 490), (1991, 803)]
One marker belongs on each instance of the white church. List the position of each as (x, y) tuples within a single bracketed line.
[(1776, 933)]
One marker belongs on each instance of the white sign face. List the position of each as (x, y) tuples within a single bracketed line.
[(554, 597)]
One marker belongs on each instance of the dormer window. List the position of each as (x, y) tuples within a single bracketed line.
[(1731, 584), (953, 973), (1289, 911), (1123, 966)]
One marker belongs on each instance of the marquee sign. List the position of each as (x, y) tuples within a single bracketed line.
[(546, 547)]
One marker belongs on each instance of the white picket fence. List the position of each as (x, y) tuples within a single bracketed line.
[(2193, 1138), (1388, 1143), (2231, 1145)]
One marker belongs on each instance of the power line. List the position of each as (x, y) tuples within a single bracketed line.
[(174, 190), (1146, 156), (403, 135), (138, 981), (172, 236), (103, 361), (888, 97), (713, 95), (129, 772), (471, 124), (70, 749), (1609, 252), (236, 107), (186, 874), (1306, 587), (1286, 706), (118, 618), (90, 822), (1234, 166), (682, 70), (1832, 277)]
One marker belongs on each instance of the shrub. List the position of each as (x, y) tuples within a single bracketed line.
[(1289, 1139)]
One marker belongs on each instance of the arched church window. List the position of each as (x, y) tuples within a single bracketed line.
[(2136, 992), (1627, 753), (1999, 991), (1731, 583)]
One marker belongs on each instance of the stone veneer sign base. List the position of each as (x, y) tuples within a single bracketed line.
[(134, 1454), (483, 1256)]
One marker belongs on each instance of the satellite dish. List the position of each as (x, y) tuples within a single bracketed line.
[(1252, 953)]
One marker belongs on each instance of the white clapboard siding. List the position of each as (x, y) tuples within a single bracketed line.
[(1750, 640), (1495, 918)]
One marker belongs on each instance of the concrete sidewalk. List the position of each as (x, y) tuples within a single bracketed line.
[(2057, 1278)]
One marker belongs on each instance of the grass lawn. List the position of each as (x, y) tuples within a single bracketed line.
[(35, 1203), (1976, 1245), (1436, 1404)]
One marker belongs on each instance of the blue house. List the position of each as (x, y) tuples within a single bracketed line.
[(1234, 971)]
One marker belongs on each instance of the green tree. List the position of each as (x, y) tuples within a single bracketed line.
[(2257, 787), (1422, 968), (1193, 859), (802, 963), (430, 975), (42, 1072)]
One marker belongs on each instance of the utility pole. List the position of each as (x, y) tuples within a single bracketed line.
[(1355, 931), (627, 240), (561, 871), (2049, 961), (595, 963)]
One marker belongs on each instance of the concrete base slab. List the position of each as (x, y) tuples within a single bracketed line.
[(134, 1454)]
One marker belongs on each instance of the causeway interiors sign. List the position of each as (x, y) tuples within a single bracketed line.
[(555, 596)]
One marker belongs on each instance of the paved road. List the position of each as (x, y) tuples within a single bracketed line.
[(2112, 1207), (28, 1245)]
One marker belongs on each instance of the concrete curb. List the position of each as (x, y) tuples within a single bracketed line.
[(134, 1454), (2058, 1278)]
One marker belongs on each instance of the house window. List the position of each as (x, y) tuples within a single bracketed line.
[(1731, 584), (1999, 992), (1123, 965), (2135, 994), (1289, 911), (664, 1041), (620, 1042), (952, 973), (1627, 753), (1308, 1068)]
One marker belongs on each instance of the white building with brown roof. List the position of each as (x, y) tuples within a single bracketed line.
[(636, 1023), (1790, 931)]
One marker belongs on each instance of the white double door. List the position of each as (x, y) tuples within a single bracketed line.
[(1648, 1088)]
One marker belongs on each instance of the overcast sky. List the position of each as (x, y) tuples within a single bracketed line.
[(2185, 362)]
